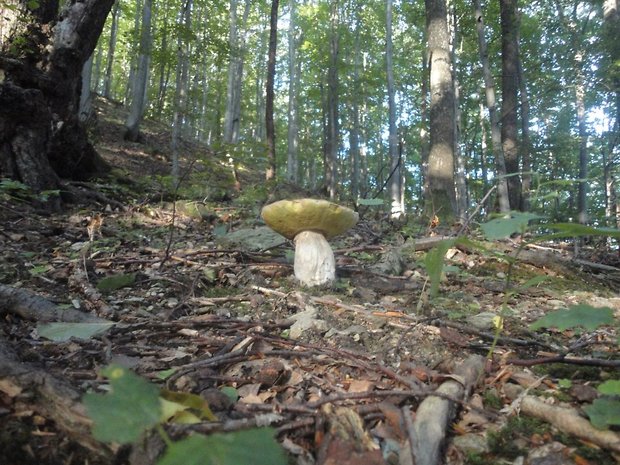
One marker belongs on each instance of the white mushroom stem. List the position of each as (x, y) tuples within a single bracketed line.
[(314, 259)]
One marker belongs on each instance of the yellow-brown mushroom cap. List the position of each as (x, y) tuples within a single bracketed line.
[(290, 217)]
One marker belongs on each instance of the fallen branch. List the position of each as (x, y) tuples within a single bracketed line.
[(569, 421), (31, 306), (593, 362), (435, 413)]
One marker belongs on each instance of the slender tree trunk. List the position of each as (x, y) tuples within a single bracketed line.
[(526, 142), (611, 32), (576, 40), (180, 98), (292, 165), (107, 78), (425, 146), (236, 41), (261, 63), (354, 132), (331, 161), (462, 200), (442, 195), (510, 60), (86, 97), (164, 65), (496, 136), (140, 84), (42, 138), (271, 72), (396, 208)]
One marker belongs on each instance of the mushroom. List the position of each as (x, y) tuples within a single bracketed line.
[(310, 222)]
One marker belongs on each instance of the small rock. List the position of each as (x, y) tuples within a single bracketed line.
[(553, 453), (307, 320), (482, 321), (471, 442)]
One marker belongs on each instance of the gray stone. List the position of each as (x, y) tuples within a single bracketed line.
[(260, 238)]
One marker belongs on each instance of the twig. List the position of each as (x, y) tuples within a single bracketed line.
[(564, 359)]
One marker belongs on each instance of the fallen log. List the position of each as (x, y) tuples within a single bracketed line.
[(435, 413)]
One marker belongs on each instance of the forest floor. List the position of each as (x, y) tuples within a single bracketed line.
[(344, 375)]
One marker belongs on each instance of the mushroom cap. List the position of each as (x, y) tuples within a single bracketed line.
[(290, 217)]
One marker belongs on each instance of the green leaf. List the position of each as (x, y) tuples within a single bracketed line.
[(565, 383), (65, 331), (581, 315), (535, 281), (610, 387), (256, 446), (434, 264), (230, 392), (124, 414), (515, 222), (604, 412), (112, 283)]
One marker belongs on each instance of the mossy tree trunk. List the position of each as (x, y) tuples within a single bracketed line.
[(41, 61)]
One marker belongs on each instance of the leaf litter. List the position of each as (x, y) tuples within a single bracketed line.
[(340, 374)]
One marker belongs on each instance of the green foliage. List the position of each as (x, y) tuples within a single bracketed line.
[(124, 414), (434, 263), (604, 412), (115, 282), (135, 406), (576, 316), (64, 331), (256, 446), (610, 387), (515, 222)]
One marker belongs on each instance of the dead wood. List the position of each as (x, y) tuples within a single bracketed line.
[(567, 420), (435, 413), (54, 399), (31, 306)]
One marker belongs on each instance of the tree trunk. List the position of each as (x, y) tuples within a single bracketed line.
[(496, 136), (107, 78), (292, 165), (271, 72), (462, 198), (140, 84), (510, 57), (526, 142), (41, 137), (86, 98), (442, 195), (331, 160), (396, 208), (354, 132), (180, 98)]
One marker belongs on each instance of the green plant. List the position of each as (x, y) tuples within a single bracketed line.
[(135, 406)]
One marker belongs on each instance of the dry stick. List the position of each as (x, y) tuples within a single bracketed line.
[(31, 306), (569, 421), (564, 359), (435, 413)]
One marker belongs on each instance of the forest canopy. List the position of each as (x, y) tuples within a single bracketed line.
[(528, 102)]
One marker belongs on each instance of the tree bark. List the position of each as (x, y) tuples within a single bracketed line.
[(510, 57), (496, 136), (442, 195), (107, 79), (140, 84), (180, 98), (41, 137), (271, 72), (331, 159), (292, 165), (396, 208)]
